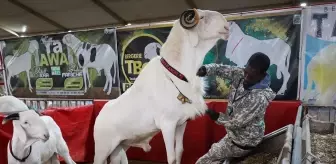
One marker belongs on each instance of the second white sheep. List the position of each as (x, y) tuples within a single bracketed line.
[(36, 139)]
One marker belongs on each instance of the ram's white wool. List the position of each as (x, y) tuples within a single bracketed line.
[(42, 134), (18, 63), (11, 104), (151, 104), (99, 57)]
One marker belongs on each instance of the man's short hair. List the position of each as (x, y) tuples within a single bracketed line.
[(259, 61)]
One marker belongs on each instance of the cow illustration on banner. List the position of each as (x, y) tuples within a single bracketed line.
[(136, 49), (278, 37), (3, 90), (73, 65), (318, 85)]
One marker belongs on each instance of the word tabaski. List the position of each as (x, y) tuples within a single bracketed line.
[(133, 56)]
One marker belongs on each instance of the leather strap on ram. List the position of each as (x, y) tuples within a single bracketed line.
[(20, 160), (173, 70)]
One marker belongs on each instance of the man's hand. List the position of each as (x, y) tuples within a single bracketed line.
[(212, 114), (201, 71)]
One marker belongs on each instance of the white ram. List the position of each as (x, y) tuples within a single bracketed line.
[(241, 47), (152, 50), (154, 102), (18, 63), (89, 55), (36, 139)]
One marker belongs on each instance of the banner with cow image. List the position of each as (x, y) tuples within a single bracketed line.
[(318, 66), (276, 36), (81, 65), (2, 70), (136, 48)]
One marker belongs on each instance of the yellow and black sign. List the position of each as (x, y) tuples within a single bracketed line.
[(137, 51)]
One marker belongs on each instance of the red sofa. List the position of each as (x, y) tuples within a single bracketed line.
[(77, 128)]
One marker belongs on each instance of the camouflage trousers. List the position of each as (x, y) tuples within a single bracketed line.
[(224, 149)]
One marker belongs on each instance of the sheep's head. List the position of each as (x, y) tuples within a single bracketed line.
[(28, 126), (70, 40), (152, 50), (67, 39), (204, 25)]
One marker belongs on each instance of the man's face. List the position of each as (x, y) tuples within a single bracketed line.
[(251, 76)]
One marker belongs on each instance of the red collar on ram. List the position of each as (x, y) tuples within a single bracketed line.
[(173, 70)]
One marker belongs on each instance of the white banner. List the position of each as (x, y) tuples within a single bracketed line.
[(318, 78)]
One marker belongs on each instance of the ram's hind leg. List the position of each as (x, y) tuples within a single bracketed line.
[(118, 156), (103, 150)]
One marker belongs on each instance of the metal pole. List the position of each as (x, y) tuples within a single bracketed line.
[(297, 135)]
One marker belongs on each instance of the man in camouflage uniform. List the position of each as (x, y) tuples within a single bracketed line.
[(249, 96)]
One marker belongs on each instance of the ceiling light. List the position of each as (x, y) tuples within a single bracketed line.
[(128, 24), (303, 4), (24, 28), (21, 36), (69, 31)]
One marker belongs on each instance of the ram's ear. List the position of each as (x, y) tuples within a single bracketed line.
[(193, 37), (20, 132)]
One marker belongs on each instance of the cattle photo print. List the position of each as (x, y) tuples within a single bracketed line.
[(82, 65), (277, 36)]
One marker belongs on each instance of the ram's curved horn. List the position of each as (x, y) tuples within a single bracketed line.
[(189, 18), (14, 116)]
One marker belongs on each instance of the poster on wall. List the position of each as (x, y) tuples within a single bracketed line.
[(318, 85), (2, 70), (136, 48), (276, 36), (80, 65)]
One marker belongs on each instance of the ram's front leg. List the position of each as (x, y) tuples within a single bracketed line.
[(168, 132), (84, 78), (179, 142)]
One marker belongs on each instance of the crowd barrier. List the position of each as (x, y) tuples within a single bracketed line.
[(76, 124)]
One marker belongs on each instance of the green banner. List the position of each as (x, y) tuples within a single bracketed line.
[(277, 36), (56, 66)]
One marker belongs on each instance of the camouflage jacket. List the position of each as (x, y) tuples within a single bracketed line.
[(244, 117)]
